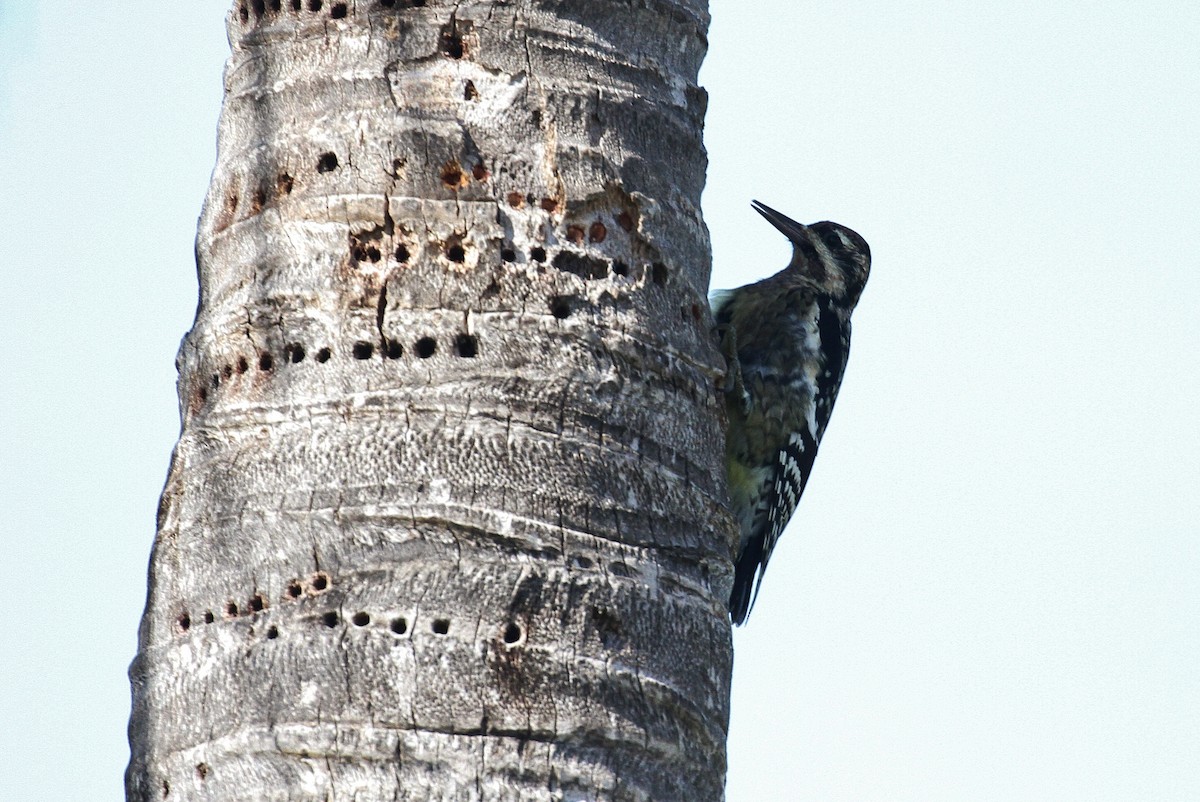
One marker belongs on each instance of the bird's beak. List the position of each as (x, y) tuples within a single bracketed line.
[(796, 232)]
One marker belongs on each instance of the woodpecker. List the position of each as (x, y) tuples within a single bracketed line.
[(786, 340)]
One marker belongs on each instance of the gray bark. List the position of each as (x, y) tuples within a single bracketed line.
[(445, 520)]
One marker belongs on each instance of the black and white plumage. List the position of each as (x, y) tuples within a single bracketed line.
[(786, 339)]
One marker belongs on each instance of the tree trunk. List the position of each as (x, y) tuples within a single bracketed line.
[(445, 520)]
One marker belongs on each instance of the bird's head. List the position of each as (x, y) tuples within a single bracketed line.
[(831, 256)]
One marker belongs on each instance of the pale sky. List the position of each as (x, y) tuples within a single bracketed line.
[(991, 589)]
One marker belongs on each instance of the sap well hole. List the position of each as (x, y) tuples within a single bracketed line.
[(330, 619), (512, 634), (560, 307), (327, 163), (361, 619), (426, 347), (441, 626), (398, 626), (466, 345), (363, 350)]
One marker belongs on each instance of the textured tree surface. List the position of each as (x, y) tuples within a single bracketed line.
[(445, 517)]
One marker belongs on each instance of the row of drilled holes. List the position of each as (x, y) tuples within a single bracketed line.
[(398, 625), (451, 42), (320, 583), (317, 584), (597, 232), (336, 10), (465, 345)]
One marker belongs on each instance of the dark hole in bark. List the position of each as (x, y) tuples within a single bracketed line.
[(227, 371), (620, 268), (294, 590), (467, 345), (455, 253), (452, 176), (452, 45), (327, 162), (202, 770), (418, 3), (387, 3), (361, 619), (330, 619), (272, 633), (659, 273), (260, 7), (242, 365), (398, 626), (258, 199), (598, 232), (620, 569), (294, 353), (296, 5), (538, 254), (231, 610), (586, 267), (216, 380), (284, 184), (394, 349), (209, 617), (202, 394), (426, 347), (512, 634), (257, 603), (549, 204), (583, 562), (515, 199), (323, 355), (560, 307), (185, 622), (315, 5), (320, 583), (469, 91), (244, 16), (508, 255), (363, 350), (441, 626), (402, 253), (338, 11), (275, 5), (479, 172), (266, 361)]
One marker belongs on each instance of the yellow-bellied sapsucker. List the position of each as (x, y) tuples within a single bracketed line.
[(786, 339)]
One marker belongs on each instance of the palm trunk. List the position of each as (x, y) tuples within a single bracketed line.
[(445, 516)]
